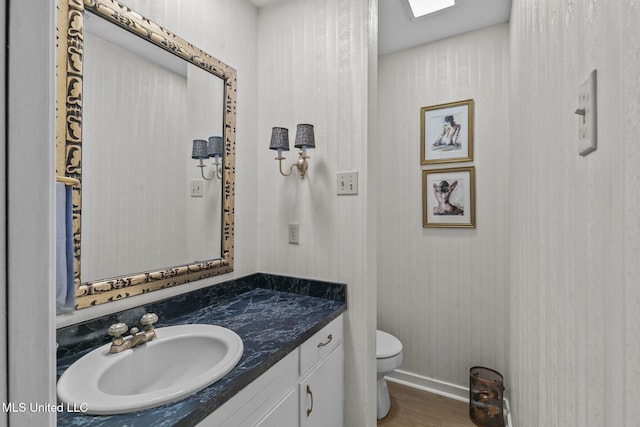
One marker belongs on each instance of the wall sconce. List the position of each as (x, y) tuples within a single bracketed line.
[(203, 150), (304, 139)]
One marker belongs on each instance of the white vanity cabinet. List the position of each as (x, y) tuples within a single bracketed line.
[(305, 388), (322, 393), (284, 414), (321, 389)]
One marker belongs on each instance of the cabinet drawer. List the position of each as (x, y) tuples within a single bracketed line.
[(321, 344)]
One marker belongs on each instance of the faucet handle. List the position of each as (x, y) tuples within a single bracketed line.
[(148, 319), (117, 329)]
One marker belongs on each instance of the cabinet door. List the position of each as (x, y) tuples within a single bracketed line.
[(258, 399), (322, 393), (285, 414)]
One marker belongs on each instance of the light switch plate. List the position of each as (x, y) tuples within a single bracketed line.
[(197, 188), (347, 183), (588, 115)]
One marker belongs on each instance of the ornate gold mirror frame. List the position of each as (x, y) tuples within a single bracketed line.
[(69, 63)]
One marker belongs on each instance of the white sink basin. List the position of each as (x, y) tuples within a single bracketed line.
[(179, 362)]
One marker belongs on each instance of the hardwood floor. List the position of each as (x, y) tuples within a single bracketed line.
[(416, 408)]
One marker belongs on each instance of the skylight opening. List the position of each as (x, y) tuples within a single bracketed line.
[(425, 7)]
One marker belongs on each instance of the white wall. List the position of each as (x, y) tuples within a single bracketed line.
[(574, 233), (315, 58), (444, 292), (30, 234), (227, 30)]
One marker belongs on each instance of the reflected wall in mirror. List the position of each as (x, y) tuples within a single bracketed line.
[(131, 97)]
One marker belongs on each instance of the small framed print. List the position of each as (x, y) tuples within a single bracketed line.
[(446, 132), (448, 198)]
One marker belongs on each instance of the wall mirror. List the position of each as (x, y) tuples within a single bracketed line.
[(131, 98)]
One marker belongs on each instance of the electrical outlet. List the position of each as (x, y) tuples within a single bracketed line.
[(294, 233), (347, 183), (197, 187)]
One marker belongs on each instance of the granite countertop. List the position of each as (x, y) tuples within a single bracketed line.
[(272, 314)]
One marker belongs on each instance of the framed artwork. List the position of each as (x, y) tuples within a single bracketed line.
[(448, 197), (446, 133)]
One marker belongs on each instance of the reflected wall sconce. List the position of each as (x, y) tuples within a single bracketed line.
[(204, 150), (304, 139)]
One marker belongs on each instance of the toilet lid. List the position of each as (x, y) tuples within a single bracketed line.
[(387, 345)]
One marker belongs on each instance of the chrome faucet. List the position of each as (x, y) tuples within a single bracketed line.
[(119, 344)]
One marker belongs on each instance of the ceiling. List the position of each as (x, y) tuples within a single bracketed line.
[(398, 29)]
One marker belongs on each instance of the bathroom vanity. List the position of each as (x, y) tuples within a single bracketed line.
[(303, 389), (291, 371)]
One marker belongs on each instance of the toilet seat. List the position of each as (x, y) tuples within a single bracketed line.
[(387, 345)]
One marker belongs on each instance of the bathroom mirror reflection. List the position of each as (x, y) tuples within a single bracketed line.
[(135, 97), (142, 107)]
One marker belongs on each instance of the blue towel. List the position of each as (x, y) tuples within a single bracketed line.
[(65, 290), (71, 289)]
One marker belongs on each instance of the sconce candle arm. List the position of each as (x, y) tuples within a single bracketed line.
[(301, 164), (216, 173), (280, 159)]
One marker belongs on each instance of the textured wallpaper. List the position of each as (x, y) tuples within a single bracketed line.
[(565, 259), (444, 292), (314, 59), (574, 221)]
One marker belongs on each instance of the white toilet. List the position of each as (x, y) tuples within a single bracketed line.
[(389, 354)]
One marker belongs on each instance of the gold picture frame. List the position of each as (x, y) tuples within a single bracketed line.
[(448, 198), (446, 133)]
